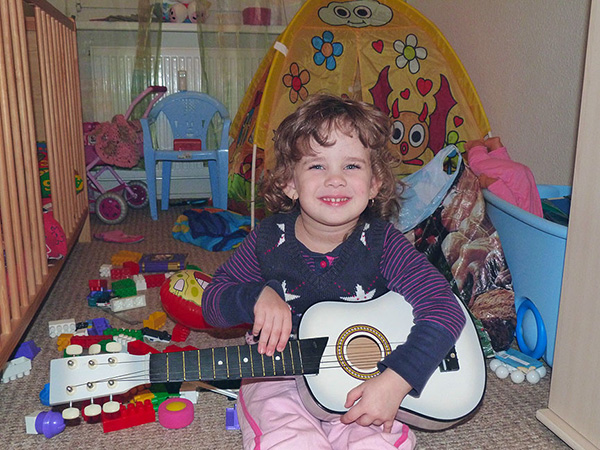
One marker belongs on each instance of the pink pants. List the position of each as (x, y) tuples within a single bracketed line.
[(272, 416)]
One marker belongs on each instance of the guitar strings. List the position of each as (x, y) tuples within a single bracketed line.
[(327, 361)]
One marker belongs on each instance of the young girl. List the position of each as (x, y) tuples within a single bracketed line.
[(332, 192)]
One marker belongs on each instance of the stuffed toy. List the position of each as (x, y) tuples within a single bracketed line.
[(188, 12)]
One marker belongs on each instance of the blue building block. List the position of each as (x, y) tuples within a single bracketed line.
[(231, 419), (27, 349)]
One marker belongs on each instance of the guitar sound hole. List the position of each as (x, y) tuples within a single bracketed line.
[(363, 353)]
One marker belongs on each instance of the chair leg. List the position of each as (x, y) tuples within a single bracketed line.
[(151, 183), (166, 184), (220, 197)]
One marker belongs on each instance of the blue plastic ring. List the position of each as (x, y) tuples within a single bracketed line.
[(542, 338)]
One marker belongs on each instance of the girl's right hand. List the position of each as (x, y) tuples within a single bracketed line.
[(272, 321)]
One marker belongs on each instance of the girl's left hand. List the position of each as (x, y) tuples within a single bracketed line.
[(380, 398)]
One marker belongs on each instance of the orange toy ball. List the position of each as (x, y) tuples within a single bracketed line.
[(181, 297)]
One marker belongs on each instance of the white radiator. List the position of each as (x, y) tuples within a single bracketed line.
[(229, 72)]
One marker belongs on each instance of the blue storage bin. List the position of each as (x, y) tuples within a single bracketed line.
[(535, 253)]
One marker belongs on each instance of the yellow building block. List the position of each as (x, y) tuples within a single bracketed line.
[(63, 341), (156, 320), (123, 256)]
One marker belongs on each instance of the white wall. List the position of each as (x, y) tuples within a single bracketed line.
[(526, 60)]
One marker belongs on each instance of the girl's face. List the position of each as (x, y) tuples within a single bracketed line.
[(334, 185)]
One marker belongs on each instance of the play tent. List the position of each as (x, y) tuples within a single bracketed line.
[(384, 52)]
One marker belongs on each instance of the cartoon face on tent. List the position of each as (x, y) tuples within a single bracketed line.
[(383, 52)]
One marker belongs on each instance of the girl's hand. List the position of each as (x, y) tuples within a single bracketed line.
[(380, 398), (273, 321)]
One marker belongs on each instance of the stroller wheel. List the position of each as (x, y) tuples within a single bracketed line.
[(111, 208), (137, 194)]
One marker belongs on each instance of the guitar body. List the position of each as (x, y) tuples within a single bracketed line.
[(360, 335)]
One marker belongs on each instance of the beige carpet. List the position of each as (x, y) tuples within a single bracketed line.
[(505, 420)]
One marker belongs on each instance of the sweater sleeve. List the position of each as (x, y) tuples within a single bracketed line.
[(438, 318), (229, 298)]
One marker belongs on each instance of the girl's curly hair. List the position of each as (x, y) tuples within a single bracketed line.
[(314, 121)]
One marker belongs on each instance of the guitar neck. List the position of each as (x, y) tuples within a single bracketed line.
[(300, 357)]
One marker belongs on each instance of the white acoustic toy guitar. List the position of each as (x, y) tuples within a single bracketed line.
[(339, 346)]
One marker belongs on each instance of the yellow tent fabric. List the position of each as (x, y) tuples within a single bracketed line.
[(384, 52)]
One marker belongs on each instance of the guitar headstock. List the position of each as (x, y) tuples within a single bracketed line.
[(85, 377)]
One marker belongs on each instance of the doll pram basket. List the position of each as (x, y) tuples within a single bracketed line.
[(116, 144)]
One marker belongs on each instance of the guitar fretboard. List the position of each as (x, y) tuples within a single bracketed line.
[(300, 357)]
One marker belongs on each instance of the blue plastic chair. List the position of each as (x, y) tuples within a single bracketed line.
[(188, 115)]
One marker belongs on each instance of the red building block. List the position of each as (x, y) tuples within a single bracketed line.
[(132, 266), (140, 348), (88, 341), (154, 280), (98, 285), (129, 416), (180, 333), (119, 274)]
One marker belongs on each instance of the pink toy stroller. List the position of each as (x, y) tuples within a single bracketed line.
[(116, 144)]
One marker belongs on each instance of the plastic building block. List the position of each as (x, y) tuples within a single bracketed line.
[(98, 326), (97, 285), (140, 348), (156, 320), (57, 327), (188, 390), (88, 341), (96, 297), (123, 256), (119, 273), (140, 282), (124, 339), (176, 413), (129, 416), (50, 423), (180, 333), (105, 270), (124, 288), (82, 326), (44, 395), (63, 341), (136, 334), (16, 368), (132, 266), (126, 303), (28, 349), (231, 419), (154, 335), (154, 280)]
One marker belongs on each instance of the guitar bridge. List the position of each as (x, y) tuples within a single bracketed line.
[(450, 362)]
